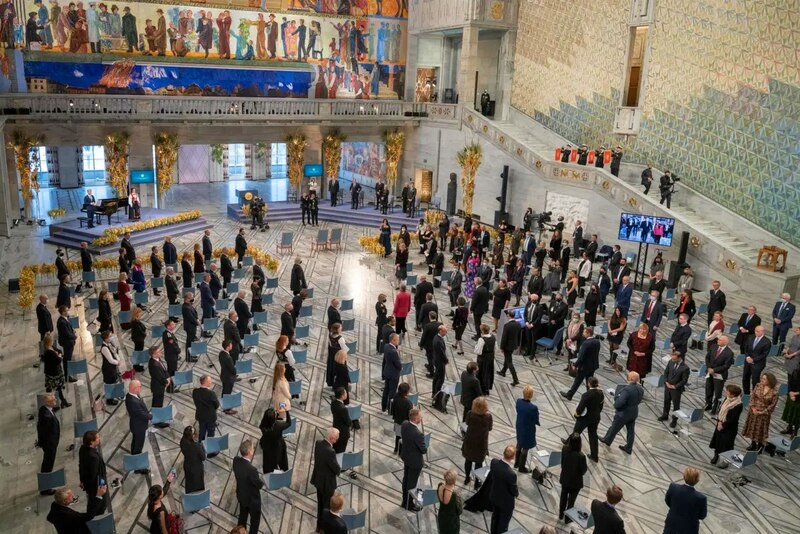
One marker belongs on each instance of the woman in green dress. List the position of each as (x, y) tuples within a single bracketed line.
[(450, 505)]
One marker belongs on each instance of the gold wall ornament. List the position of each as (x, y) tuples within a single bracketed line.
[(606, 185), (27, 161), (485, 128), (694, 241), (538, 164), (166, 157), (632, 202), (117, 147), (248, 196), (296, 157), (502, 139), (394, 141), (496, 11), (730, 264), (520, 152), (469, 159)]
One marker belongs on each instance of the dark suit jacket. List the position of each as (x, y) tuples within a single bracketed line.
[(655, 316), (687, 507), (243, 311), (758, 352), (511, 336), (190, 320), (248, 483), (332, 524), (342, 422), (676, 374), (750, 326), (287, 324), (172, 349), (573, 467), (414, 448), (138, 416), (130, 253), (627, 401), (400, 408), (480, 301), (391, 366), (680, 337), (722, 363), (716, 301), (425, 311), (69, 521), (423, 288), (227, 372), (624, 294), (206, 404), (326, 468), (86, 260), (158, 375), (44, 319), (588, 360), (504, 485), (333, 316), (170, 253), (66, 333), (785, 316), (439, 353), (470, 389), (207, 248), (48, 429), (172, 288), (231, 331), (241, 244), (606, 519), (536, 285), (225, 267), (429, 332), (592, 402), (61, 267), (91, 468), (298, 279)]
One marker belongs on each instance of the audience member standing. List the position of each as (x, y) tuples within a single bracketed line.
[(273, 444), (526, 423), (440, 362), (626, 404), (782, 314), (478, 306), (509, 342), (190, 324), (111, 363), (248, 487), (53, 371), (326, 469), (194, 454), (92, 470), (716, 301), (727, 420), (475, 447), (747, 324), (470, 388), (227, 371), (573, 467), (587, 362), (172, 349), (718, 362), (138, 418), (159, 379), (591, 408), (206, 405), (390, 370), (48, 434), (676, 374), (341, 419), (756, 352), (504, 491), (160, 519), (450, 505), (44, 321), (402, 307), (606, 518), (68, 521), (332, 522), (66, 340), (687, 506), (412, 454), (484, 349), (759, 412), (241, 247)]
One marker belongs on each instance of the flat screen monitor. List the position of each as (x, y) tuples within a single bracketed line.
[(312, 171), (646, 229), (143, 176)]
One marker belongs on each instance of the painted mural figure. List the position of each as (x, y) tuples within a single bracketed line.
[(224, 27), (300, 36), (102, 19), (284, 25), (115, 22), (314, 34), (7, 15), (78, 38), (206, 34), (272, 36), (64, 29), (160, 37), (93, 28), (261, 25), (129, 31), (43, 24), (55, 15)]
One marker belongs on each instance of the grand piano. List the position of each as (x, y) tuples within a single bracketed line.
[(109, 207)]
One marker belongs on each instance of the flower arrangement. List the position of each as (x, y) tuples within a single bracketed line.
[(393, 140), (434, 217), (332, 153), (112, 235), (260, 257), (372, 243), (56, 212), (469, 159), (116, 147), (166, 157), (217, 153), (27, 161), (28, 273), (261, 151), (296, 156)]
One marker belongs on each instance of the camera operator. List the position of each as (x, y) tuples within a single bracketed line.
[(667, 187), (257, 209)]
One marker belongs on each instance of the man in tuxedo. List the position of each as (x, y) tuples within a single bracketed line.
[(190, 324), (333, 189), (747, 324), (227, 371), (591, 406), (454, 287), (679, 340), (89, 202), (665, 187), (653, 311), (412, 454), (48, 434), (591, 248), (159, 379), (534, 314), (172, 349), (355, 194), (782, 314), (509, 342), (156, 265), (440, 362), (91, 471), (657, 283), (624, 294), (44, 321), (716, 300), (470, 388), (341, 419), (606, 518), (479, 305), (248, 487), (676, 374), (718, 360), (326, 469), (207, 301), (587, 362), (577, 239), (528, 248), (536, 282), (231, 331), (66, 339), (68, 521), (206, 405), (429, 330), (171, 285), (240, 247), (130, 252), (138, 418), (687, 506), (390, 370), (243, 314), (208, 249), (424, 288), (626, 406), (214, 283), (756, 351), (332, 522), (333, 313), (504, 490)]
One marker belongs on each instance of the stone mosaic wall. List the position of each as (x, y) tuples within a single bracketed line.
[(722, 100)]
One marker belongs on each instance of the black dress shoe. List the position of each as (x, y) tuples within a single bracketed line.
[(73, 379), (674, 423), (663, 418), (212, 455), (622, 448), (595, 459), (524, 470), (66, 404), (501, 374), (514, 383), (565, 395)]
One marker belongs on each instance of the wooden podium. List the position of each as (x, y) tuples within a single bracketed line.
[(771, 255)]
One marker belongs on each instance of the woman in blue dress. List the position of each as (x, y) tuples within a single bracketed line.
[(472, 271), (386, 238)]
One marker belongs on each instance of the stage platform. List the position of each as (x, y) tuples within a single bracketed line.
[(365, 216), (69, 234)]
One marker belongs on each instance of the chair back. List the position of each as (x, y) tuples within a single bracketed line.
[(347, 305), (216, 444), (124, 316), (354, 520), (292, 428), (250, 340), (271, 283), (135, 462), (558, 335), (93, 303), (194, 502), (352, 346), (113, 287), (322, 235), (157, 282), (336, 236), (232, 288), (141, 298), (260, 317), (52, 480), (247, 261), (411, 280), (232, 400), (163, 414), (301, 332), (222, 305), (175, 310), (244, 367), (183, 378), (300, 356), (355, 375), (555, 459), (354, 411), (287, 237), (306, 311), (296, 387), (77, 367), (198, 348), (82, 427), (745, 401), (210, 323), (156, 331), (348, 325), (103, 524), (275, 481), (407, 368), (114, 391), (140, 357), (310, 292), (749, 458)]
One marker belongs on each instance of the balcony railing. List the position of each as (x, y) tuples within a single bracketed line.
[(98, 107)]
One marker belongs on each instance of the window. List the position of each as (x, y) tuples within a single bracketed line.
[(633, 72), (41, 153), (278, 159), (236, 161), (94, 158)]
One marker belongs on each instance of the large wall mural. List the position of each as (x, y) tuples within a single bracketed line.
[(721, 104), (298, 48), (364, 158)]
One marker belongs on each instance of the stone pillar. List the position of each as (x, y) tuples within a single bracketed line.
[(140, 156), (468, 66), (260, 169), (505, 74), (9, 198), (412, 60)]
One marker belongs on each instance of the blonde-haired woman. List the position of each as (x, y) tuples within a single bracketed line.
[(53, 370), (715, 329), (341, 378), (450, 505), (475, 447), (527, 421), (281, 397)]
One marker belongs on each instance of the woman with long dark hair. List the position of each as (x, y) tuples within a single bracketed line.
[(194, 454), (591, 305), (156, 511), (616, 331), (573, 467), (727, 426), (273, 445)]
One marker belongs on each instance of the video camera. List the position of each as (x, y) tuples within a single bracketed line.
[(544, 218)]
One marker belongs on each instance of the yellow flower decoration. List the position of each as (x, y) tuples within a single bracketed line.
[(112, 235)]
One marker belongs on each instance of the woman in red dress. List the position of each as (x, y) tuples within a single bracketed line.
[(641, 345), (124, 295), (199, 261)]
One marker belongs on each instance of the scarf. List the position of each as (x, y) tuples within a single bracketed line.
[(729, 404)]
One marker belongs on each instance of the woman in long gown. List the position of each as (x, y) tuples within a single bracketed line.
[(134, 209), (124, 295), (273, 445), (401, 262), (641, 345), (484, 349), (616, 331), (472, 271), (759, 412), (386, 238), (194, 454), (450, 505), (727, 423)]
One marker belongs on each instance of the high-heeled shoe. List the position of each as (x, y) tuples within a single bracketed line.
[(759, 448), (753, 446), (715, 459)]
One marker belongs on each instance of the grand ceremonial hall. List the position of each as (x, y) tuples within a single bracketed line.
[(399, 266)]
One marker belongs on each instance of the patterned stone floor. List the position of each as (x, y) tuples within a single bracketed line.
[(768, 504)]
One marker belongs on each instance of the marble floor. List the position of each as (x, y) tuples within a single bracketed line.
[(768, 504)]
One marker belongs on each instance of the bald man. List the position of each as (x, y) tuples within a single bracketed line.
[(504, 490), (139, 418), (626, 406), (326, 469)]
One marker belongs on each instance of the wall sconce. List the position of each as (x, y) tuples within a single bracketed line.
[(694, 241)]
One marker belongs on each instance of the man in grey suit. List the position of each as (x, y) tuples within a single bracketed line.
[(676, 374), (326, 469), (412, 455), (248, 486), (653, 312), (626, 406)]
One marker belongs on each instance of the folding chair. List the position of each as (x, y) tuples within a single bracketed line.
[(413, 398), (733, 329), (232, 288), (222, 305), (135, 462), (480, 474), (267, 299), (310, 292), (238, 274), (250, 341), (195, 502), (550, 344), (321, 241), (354, 411), (286, 242), (306, 311), (247, 261), (88, 276), (278, 480), (93, 303), (211, 324), (49, 481), (581, 516), (738, 460), (354, 520), (271, 283), (346, 305), (75, 321), (411, 280), (162, 415), (77, 367), (410, 268), (198, 277), (335, 239), (423, 496), (301, 332), (355, 375), (739, 360), (197, 349), (656, 381), (784, 446), (113, 287), (216, 444), (774, 350), (114, 391), (103, 524), (407, 369), (296, 388), (140, 357), (352, 347), (175, 310), (687, 419), (183, 378), (157, 283), (231, 401), (141, 298), (259, 318), (350, 460), (348, 325), (452, 389), (670, 294), (157, 330), (548, 459), (300, 356), (244, 367), (124, 316)]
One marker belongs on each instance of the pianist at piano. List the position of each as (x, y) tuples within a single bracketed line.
[(97, 209)]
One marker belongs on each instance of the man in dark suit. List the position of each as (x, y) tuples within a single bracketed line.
[(92, 470), (170, 252), (718, 360), (746, 324), (679, 340), (130, 252), (587, 362), (426, 309), (653, 312), (341, 419), (676, 374), (536, 282), (248, 487), (687, 506), (716, 300), (287, 322), (440, 362), (756, 351), (48, 434), (206, 405), (606, 518), (332, 522), (172, 349), (412, 454), (591, 248), (66, 339), (226, 270), (68, 521), (535, 313), (528, 248), (470, 387), (62, 269), (782, 314), (454, 286), (333, 313), (89, 202), (626, 406), (243, 314), (208, 249), (557, 312), (231, 331), (509, 342), (658, 284), (326, 469), (156, 265), (138, 418), (87, 265), (479, 306), (214, 283), (623, 295), (486, 273), (390, 370), (227, 370), (207, 300), (426, 340), (577, 239), (240, 247), (190, 324), (591, 406), (171, 284), (424, 288), (298, 279), (159, 379), (504, 490), (44, 321)]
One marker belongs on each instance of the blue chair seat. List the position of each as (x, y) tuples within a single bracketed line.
[(175, 310), (141, 298), (114, 391), (135, 462), (300, 356), (140, 357), (157, 283), (250, 340), (260, 317), (244, 367), (267, 299), (156, 331), (222, 305), (232, 288), (162, 415)]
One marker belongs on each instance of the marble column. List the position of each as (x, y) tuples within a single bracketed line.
[(468, 66), (8, 210), (412, 61), (505, 74), (140, 156)]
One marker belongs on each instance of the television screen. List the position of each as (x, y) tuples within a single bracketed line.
[(312, 171), (143, 176), (646, 229)]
